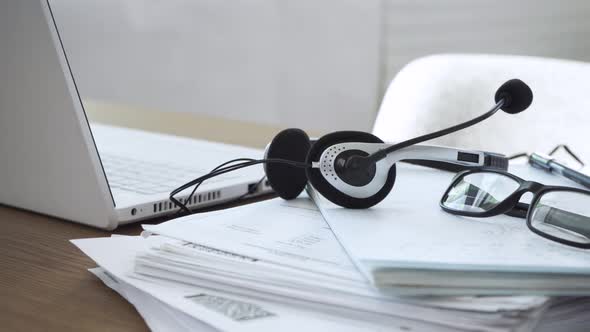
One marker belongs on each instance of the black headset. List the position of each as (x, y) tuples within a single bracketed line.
[(356, 169)]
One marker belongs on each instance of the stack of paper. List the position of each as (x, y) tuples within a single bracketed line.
[(408, 245), (277, 265)]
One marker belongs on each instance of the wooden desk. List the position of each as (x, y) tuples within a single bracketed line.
[(44, 282)]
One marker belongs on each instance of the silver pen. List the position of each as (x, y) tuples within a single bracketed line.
[(551, 165)]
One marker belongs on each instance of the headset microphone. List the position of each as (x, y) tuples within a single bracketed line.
[(514, 96), (344, 166)]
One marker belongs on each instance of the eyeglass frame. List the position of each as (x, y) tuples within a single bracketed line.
[(511, 205)]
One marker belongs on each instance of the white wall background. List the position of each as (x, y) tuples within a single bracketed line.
[(547, 28), (306, 63), (317, 64)]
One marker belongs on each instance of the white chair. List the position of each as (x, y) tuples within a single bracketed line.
[(437, 91)]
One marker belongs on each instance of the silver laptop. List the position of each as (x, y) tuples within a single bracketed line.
[(54, 162)]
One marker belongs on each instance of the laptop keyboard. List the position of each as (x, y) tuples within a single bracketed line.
[(147, 178)]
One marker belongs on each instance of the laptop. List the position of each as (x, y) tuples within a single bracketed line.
[(54, 162)]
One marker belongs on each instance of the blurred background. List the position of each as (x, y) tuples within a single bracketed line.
[(322, 65)]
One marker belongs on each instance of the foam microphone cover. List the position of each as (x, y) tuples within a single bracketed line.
[(516, 94)]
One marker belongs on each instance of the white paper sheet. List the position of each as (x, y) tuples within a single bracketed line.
[(339, 303), (293, 235), (158, 316), (409, 229), (215, 307), (270, 225), (288, 233)]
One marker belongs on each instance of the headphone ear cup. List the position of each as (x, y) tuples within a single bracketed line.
[(286, 180), (319, 183)]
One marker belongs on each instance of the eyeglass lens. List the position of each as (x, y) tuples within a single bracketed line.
[(479, 192), (563, 214)]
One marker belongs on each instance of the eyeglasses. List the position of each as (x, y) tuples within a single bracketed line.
[(561, 214)]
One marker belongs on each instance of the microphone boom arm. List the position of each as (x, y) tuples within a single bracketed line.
[(382, 154)]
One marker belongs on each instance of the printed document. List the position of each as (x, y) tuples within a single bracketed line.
[(216, 307), (279, 271), (409, 234)]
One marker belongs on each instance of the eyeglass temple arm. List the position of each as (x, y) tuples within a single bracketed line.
[(567, 220), (556, 217)]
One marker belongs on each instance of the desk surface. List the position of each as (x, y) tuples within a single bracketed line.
[(44, 282)]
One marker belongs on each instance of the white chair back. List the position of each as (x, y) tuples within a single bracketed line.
[(441, 90)]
